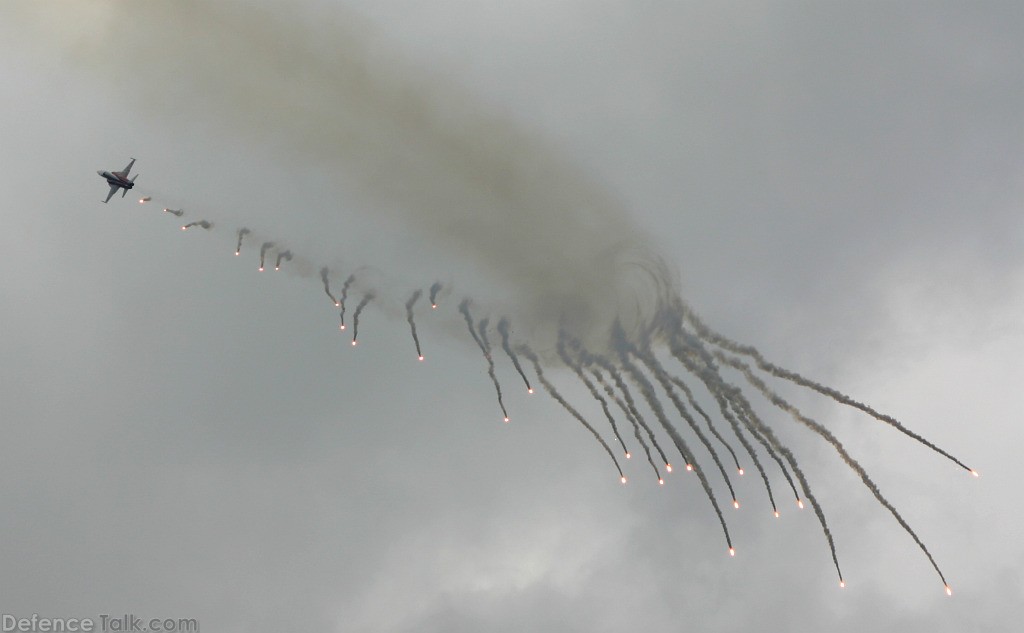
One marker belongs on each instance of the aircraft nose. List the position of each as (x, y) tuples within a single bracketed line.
[(99, 171)]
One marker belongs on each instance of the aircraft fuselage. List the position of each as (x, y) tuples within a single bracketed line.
[(114, 179)]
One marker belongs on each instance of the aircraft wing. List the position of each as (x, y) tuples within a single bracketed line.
[(113, 190), (124, 173)]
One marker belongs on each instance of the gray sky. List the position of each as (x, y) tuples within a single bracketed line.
[(185, 437)]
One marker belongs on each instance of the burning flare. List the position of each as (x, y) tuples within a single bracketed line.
[(242, 232), (434, 289)]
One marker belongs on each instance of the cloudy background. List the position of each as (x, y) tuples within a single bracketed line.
[(185, 437)]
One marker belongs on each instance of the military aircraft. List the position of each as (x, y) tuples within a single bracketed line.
[(119, 180)]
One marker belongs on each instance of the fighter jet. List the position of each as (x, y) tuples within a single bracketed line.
[(118, 180)]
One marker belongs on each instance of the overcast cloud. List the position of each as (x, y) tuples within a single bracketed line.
[(183, 436)]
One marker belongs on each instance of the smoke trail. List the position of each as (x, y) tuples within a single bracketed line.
[(647, 390), (242, 232), (707, 419), (485, 345), (412, 324), (723, 406), (710, 335), (434, 289), (630, 402), (661, 376), (203, 224), (344, 297), (176, 212), (575, 367), (528, 353), (367, 298), (819, 513), (464, 310), (505, 345), (632, 420), (327, 288), (345, 286), (698, 362), (619, 338), (283, 255), (263, 252), (782, 404), (735, 396), (724, 397), (709, 374), (762, 432)]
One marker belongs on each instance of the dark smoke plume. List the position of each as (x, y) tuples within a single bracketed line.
[(568, 246)]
